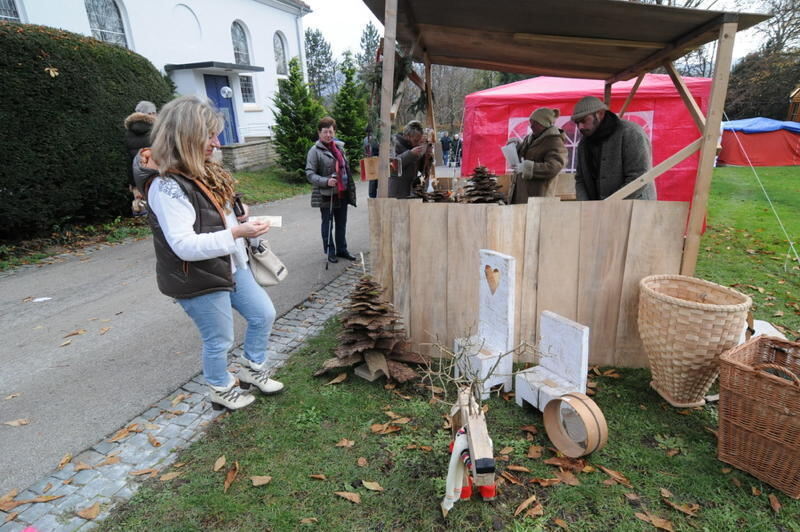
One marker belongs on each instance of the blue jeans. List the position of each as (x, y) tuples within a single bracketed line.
[(338, 239), (213, 316)]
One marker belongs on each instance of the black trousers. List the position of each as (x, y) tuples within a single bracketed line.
[(334, 220)]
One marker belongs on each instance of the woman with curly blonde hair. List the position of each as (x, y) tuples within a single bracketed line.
[(200, 244)]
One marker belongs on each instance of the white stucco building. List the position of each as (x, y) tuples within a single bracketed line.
[(205, 46)]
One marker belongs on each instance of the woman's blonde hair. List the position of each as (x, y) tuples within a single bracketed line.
[(179, 138)]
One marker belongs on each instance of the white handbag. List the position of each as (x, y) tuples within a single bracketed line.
[(267, 268)]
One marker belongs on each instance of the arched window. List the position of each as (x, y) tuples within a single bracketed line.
[(241, 53), (8, 11), (279, 43), (106, 21)]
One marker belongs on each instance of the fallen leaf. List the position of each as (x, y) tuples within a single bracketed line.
[(7, 506), (684, 412), (511, 478), (11, 517), (507, 396), (80, 466), (372, 486), (689, 509), (588, 469), (47, 488), (318, 477), (756, 491), (530, 428), (384, 428), (151, 426), (610, 482), (401, 396), (219, 463), (140, 472), (153, 441), (536, 511), (89, 513), (17, 422), (568, 478), (9, 496), (362, 462), (344, 442), (230, 477), (108, 461), (545, 482), (774, 503), (502, 458), (178, 398), (67, 458), (76, 332), (665, 492), (506, 450), (402, 420), (643, 517), (527, 502), (392, 414), (518, 469), (389, 386), (564, 462), (425, 448), (560, 522), (341, 377), (352, 497), (67, 482), (170, 476), (778, 314), (12, 396), (120, 435), (631, 496), (309, 520), (661, 524), (485, 409), (535, 451), (104, 330), (260, 481), (672, 452), (736, 482), (726, 470), (617, 476)]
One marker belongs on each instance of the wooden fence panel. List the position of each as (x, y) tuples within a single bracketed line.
[(380, 238), (401, 249), (655, 245), (604, 238), (559, 251)]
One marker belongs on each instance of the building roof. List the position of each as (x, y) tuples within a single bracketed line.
[(598, 39)]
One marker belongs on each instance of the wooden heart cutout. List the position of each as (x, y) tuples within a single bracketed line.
[(492, 277)]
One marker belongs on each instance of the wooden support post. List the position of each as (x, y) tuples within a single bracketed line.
[(387, 87), (686, 96), (631, 95), (607, 95), (431, 115), (705, 168)]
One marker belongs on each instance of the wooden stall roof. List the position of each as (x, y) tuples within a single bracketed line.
[(597, 39)]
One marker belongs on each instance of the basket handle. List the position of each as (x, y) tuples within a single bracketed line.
[(781, 369)]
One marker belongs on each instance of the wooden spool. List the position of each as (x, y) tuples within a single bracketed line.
[(590, 415)]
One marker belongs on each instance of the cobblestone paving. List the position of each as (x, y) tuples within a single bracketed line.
[(104, 473)]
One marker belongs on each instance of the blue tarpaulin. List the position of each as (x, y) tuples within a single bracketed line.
[(760, 125)]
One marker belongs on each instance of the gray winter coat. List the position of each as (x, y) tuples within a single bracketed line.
[(625, 156), (320, 165)]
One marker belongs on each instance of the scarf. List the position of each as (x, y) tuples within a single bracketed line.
[(341, 168)]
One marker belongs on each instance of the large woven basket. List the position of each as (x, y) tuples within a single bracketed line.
[(759, 411), (685, 324)]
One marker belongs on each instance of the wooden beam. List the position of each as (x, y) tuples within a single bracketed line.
[(431, 115), (607, 95), (686, 96), (631, 95), (514, 67), (387, 86), (653, 173), (588, 41), (675, 49), (705, 168), (414, 77)]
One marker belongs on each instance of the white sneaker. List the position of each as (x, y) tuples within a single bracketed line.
[(258, 376), (229, 398)]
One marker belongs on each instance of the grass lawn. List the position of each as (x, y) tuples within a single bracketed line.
[(744, 247), (267, 185)]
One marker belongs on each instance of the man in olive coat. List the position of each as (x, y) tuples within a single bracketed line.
[(543, 155), (613, 153)]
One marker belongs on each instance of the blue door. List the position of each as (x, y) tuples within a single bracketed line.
[(214, 85)]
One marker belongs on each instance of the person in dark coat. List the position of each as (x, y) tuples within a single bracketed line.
[(371, 147), (327, 169), (409, 147), (137, 136), (447, 143)]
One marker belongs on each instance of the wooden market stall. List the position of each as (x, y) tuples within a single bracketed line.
[(583, 260)]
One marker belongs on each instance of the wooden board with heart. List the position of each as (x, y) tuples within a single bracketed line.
[(496, 317), (492, 277)]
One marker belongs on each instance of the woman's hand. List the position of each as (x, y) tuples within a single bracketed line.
[(243, 218), (332, 182), (250, 229)]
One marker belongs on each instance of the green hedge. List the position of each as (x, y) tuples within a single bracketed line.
[(64, 101)]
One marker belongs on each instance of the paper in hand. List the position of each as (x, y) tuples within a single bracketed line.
[(274, 221), (510, 153)]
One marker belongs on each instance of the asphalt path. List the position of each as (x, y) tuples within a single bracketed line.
[(137, 345)]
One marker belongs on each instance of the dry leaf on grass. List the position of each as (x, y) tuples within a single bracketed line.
[(518, 469), (153, 441), (401, 396), (389, 386), (545, 482), (17, 422), (67, 458), (384, 428), (617, 476), (564, 462), (535, 451), (170, 476), (362, 462), (631, 496), (665, 492), (527, 502), (689, 509), (561, 523), (89, 513), (309, 520), (350, 496), (774, 503), (506, 450), (219, 463), (260, 481), (568, 477), (536, 511), (673, 452), (372, 486), (756, 491), (511, 478), (507, 396), (610, 482), (318, 477), (341, 377), (344, 442), (726, 470), (654, 520), (736, 482), (230, 477), (530, 428), (402, 420), (139, 472)]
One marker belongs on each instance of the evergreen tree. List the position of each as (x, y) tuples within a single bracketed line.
[(370, 40), (350, 112), (319, 63), (297, 114)]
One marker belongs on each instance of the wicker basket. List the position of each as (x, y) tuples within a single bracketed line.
[(685, 324), (759, 411)]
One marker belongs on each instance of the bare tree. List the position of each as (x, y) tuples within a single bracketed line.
[(782, 31)]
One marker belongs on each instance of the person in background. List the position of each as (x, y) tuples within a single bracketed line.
[(543, 155), (201, 258), (446, 145), (371, 147), (456, 150), (613, 153), (409, 147), (334, 189), (137, 136)]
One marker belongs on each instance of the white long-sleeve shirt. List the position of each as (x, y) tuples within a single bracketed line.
[(176, 216)]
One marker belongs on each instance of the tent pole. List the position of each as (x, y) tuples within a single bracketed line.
[(431, 116), (631, 95), (686, 96), (711, 133), (387, 87)]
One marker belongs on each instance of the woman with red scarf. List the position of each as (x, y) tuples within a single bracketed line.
[(334, 188)]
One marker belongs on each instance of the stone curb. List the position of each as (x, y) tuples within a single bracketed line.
[(103, 473)]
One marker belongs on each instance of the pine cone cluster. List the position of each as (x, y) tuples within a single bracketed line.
[(373, 333), (482, 187), (437, 196)]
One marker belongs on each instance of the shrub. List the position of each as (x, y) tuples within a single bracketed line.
[(350, 112), (65, 98)]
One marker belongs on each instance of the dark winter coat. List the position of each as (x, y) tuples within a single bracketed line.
[(137, 136), (411, 163), (624, 156), (320, 166), (543, 157), (176, 277)]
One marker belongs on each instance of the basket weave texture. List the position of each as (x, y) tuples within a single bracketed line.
[(685, 324), (759, 411)]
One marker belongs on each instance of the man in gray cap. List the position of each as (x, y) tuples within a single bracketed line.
[(613, 153)]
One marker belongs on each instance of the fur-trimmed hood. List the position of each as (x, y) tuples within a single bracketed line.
[(139, 123)]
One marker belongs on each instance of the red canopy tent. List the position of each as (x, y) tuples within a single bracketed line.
[(760, 142), (494, 115)]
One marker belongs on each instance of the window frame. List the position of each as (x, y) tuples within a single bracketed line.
[(12, 4), (244, 40), (278, 36), (100, 32), (251, 89)]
